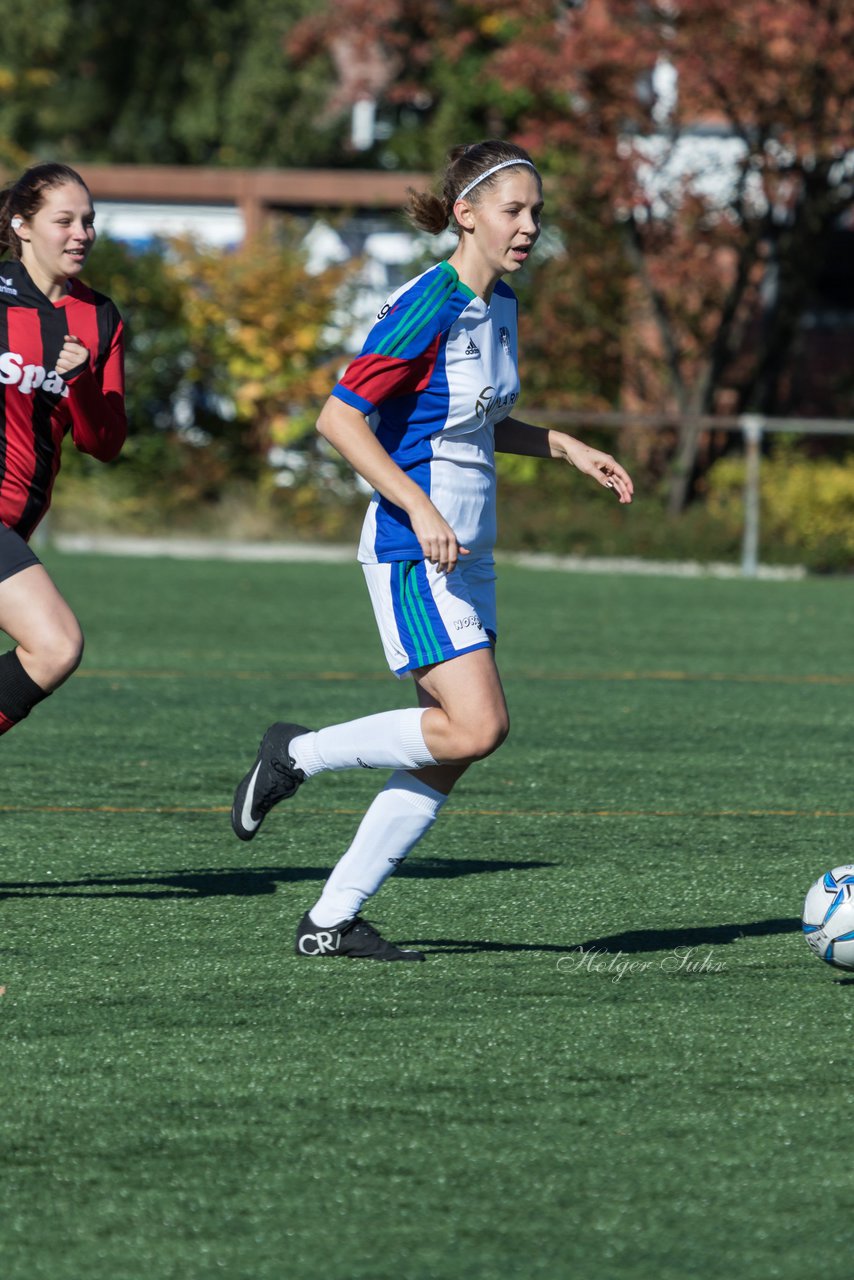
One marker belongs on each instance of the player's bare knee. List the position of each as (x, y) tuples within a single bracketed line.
[(499, 730), (71, 652), (480, 740), (60, 655)]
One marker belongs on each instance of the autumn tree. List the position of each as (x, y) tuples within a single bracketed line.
[(228, 356), (428, 68), (697, 154), (715, 140), (727, 170), (261, 338)]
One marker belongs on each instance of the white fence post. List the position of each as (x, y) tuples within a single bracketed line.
[(751, 428)]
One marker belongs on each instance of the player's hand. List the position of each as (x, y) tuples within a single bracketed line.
[(600, 466), (74, 356), (437, 539)]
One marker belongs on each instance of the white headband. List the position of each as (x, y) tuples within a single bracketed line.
[(505, 164)]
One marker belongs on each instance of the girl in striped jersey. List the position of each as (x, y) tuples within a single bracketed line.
[(61, 371), (419, 414)]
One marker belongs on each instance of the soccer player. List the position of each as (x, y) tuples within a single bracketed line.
[(61, 370), (419, 415)]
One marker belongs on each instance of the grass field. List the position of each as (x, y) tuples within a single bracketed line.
[(183, 1098)]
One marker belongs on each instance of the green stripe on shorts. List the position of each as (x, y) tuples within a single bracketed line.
[(427, 647)]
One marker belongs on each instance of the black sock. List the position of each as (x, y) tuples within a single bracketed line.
[(18, 693)]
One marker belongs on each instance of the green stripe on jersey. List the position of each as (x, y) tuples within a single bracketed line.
[(416, 319)]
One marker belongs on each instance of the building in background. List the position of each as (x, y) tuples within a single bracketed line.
[(347, 215)]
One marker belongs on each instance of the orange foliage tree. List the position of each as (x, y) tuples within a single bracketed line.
[(261, 338), (722, 135), (711, 141)]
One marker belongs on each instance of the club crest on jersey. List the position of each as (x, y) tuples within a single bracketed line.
[(29, 377), (489, 399)]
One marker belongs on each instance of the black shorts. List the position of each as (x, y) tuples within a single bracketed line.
[(15, 554)]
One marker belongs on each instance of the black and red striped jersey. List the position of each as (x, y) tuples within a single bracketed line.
[(38, 407)]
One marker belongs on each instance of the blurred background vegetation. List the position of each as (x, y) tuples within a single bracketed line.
[(699, 166)]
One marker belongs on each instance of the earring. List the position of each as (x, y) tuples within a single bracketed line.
[(17, 223)]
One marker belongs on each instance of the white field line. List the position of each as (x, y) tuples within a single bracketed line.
[(280, 552)]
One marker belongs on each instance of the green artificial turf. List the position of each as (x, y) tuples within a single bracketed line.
[(183, 1097)]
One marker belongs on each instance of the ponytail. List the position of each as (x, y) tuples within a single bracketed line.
[(467, 169)]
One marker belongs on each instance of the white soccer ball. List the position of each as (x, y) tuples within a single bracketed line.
[(828, 918)]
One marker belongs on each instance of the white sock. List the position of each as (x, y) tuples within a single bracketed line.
[(401, 814), (388, 740)]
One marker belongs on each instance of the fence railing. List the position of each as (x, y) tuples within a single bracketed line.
[(750, 426)]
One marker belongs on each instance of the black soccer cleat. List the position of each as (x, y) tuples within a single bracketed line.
[(273, 777), (356, 939)]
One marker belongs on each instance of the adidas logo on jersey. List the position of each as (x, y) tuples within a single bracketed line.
[(28, 377), (472, 349)]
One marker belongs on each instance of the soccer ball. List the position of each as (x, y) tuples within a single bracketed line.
[(828, 919)]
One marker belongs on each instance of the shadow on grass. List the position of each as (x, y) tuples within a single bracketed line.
[(239, 882), (631, 942), (712, 935)]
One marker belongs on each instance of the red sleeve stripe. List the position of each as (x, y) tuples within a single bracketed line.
[(376, 378)]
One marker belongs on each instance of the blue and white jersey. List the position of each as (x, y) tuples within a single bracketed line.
[(437, 371)]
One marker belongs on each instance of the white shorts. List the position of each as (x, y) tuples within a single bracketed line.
[(425, 617)]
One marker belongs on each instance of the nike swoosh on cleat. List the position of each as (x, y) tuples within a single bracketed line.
[(246, 814)]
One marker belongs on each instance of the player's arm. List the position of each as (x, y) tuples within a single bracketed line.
[(513, 436), (347, 431), (96, 401)]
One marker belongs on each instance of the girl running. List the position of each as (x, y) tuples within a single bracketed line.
[(61, 370), (419, 414)]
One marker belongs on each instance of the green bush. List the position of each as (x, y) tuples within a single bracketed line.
[(551, 508), (228, 356), (806, 507), (144, 287)]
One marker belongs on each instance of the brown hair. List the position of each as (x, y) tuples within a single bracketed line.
[(25, 196), (434, 212)]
